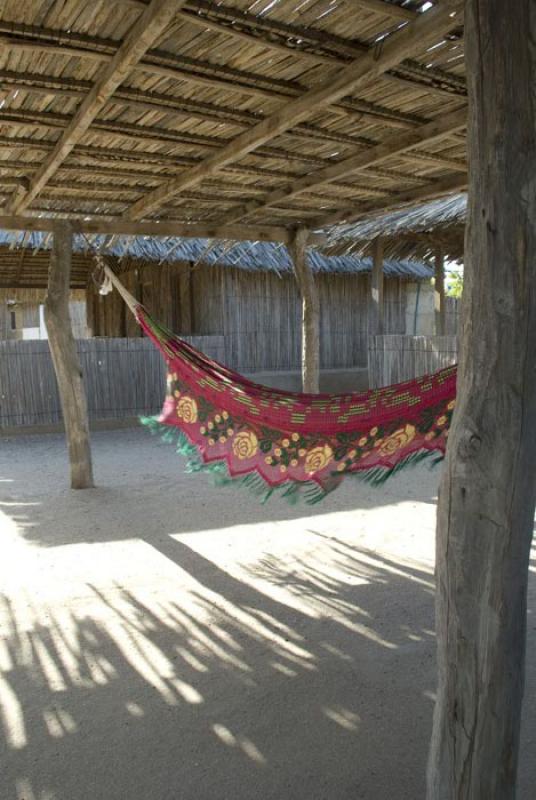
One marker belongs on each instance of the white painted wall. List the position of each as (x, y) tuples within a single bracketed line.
[(420, 319)]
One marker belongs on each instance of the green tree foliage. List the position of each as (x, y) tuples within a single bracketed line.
[(454, 284)]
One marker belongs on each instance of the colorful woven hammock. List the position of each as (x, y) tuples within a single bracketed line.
[(271, 439)]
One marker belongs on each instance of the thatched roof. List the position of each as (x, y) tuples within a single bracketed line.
[(24, 258), (407, 233), (271, 114)]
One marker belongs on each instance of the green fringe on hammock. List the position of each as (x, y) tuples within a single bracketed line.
[(292, 491)]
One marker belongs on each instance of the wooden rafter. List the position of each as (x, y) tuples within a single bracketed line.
[(413, 38), (186, 108), (146, 31), (146, 133), (333, 49), (385, 9), (179, 67), (140, 161), (165, 135), (161, 136), (300, 39), (165, 229), (394, 145), (447, 185)]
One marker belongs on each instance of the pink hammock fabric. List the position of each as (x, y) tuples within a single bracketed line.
[(289, 439)]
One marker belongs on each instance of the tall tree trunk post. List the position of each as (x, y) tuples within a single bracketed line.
[(488, 491), (310, 312), (376, 289), (65, 358), (439, 294)]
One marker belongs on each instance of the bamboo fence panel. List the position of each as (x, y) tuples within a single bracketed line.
[(123, 378), (392, 359), (258, 312)]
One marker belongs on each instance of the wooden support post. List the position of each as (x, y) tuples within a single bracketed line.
[(185, 302), (65, 358), (439, 294), (376, 289), (310, 312), (488, 492)]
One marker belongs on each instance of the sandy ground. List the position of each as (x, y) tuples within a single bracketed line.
[(166, 640)]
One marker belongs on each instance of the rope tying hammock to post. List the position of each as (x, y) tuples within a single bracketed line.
[(275, 440)]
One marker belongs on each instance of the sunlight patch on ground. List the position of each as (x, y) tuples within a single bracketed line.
[(343, 717)]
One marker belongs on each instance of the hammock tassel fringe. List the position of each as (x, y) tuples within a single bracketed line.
[(291, 491)]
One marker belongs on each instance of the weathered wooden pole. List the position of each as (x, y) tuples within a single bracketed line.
[(65, 358), (185, 302), (488, 491), (310, 312), (439, 294), (376, 289)]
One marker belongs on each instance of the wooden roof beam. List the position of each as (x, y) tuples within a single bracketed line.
[(109, 170), (436, 158), (223, 19), (450, 184), (393, 146), (239, 21), (189, 108), (425, 31), (123, 227), (147, 134), (285, 49), (329, 47), (114, 155), (143, 34), (385, 9), (182, 68)]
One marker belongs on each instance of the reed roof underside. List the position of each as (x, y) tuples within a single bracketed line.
[(264, 116)]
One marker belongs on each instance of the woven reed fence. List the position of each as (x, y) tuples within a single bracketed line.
[(123, 378), (392, 359)]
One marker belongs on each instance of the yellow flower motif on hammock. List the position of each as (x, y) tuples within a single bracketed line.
[(373, 431), (429, 436), (318, 458), (441, 421), (295, 437), (187, 409), (397, 440), (451, 405), (245, 445), (285, 442)]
